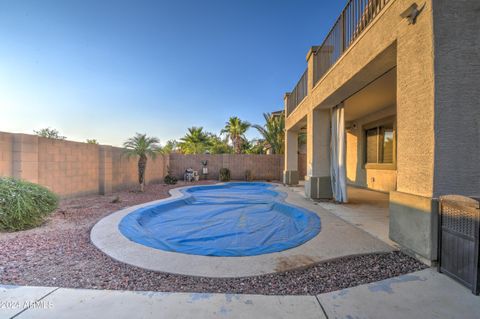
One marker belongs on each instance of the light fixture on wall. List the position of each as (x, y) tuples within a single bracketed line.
[(350, 126), (412, 13)]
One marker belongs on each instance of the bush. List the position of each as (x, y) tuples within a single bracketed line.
[(248, 175), (224, 175), (170, 180), (23, 204)]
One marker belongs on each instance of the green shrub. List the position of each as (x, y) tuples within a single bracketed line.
[(224, 175), (23, 204), (248, 175), (170, 180)]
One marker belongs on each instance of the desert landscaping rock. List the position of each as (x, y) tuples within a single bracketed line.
[(60, 253)]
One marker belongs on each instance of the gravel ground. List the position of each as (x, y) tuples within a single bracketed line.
[(59, 253)]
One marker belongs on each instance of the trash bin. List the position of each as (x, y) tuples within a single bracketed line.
[(459, 237)]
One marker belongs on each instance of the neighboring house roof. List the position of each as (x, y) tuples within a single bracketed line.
[(277, 113)]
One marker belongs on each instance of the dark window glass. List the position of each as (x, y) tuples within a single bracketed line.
[(379, 144), (386, 144), (372, 148)]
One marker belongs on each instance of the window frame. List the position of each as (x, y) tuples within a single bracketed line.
[(376, 124)]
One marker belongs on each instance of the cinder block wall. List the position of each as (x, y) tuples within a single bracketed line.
[(262, 167), (6, 154), (72, 168), (125, 170), (67, 168)]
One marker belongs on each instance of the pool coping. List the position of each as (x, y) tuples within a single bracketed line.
[(106, 236)]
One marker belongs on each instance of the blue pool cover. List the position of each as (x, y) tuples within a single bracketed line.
[(234, 219)]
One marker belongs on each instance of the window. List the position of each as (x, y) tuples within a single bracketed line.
[(379, 147)]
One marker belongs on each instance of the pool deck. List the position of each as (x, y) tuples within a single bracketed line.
[(424, 294), (336, 239)]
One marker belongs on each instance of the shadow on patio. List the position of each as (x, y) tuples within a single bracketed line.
[(366, 209)]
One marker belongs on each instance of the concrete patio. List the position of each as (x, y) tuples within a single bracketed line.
[(423, 294), (366, 209)]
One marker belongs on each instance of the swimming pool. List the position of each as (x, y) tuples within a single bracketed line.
[(231, 219)]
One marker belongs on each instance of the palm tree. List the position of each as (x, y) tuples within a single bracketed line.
[(273, 132), (255, 146), (302, 137), (235, 130), (194, 142), (142, 146), (170, 147)]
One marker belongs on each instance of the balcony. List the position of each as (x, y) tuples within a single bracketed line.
[(354, 19), (298, 94)]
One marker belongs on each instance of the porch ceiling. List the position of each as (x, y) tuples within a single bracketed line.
[(377, 95), (300, 126)]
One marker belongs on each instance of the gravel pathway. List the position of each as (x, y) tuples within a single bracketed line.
[(59, 253)]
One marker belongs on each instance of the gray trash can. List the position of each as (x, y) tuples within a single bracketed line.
[(459, 237)]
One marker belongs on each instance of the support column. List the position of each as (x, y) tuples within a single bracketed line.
[(290, 174), (318, 181)]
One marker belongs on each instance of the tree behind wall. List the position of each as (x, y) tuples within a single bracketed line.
[(217, 145), (235, 130), (194, 142), (170, 147), (49, 133), (273, 132), (142, 146), (92, 141)]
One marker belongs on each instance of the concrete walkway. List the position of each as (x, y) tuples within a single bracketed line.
[(106, 304), (423, 294)]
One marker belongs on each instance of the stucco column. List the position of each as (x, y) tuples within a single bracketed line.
[(286, 96), (290, 173), (311, 66), (412, 210), (318, 181)]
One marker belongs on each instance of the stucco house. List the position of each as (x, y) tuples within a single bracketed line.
[(391, 102)]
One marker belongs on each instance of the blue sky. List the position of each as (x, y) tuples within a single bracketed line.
[(108, 69)]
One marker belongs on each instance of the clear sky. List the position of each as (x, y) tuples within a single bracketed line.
[(107, 69)]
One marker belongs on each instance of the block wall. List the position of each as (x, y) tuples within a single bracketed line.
[(72, 168)]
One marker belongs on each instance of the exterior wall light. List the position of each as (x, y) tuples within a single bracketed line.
[(412, 13)]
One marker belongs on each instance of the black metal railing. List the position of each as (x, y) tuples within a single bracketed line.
[(355, 18), (298, 93)]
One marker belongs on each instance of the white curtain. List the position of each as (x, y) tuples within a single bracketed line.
[(337, 154)]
